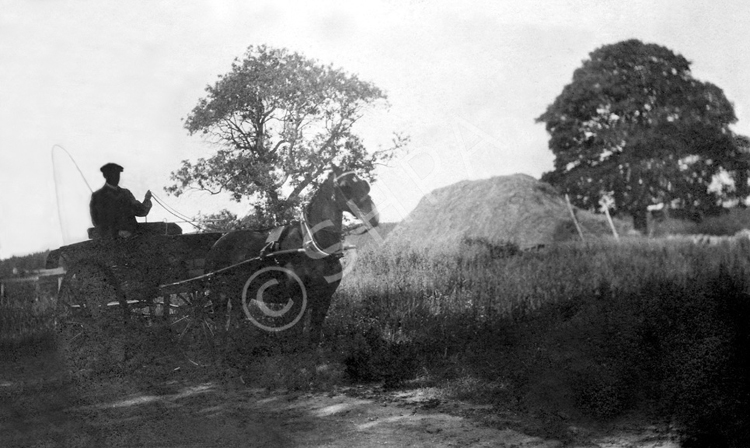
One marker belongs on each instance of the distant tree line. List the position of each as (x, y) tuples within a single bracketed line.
[(24, 263)]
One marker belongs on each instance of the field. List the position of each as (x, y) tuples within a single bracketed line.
[(590, 332), (573, 334)]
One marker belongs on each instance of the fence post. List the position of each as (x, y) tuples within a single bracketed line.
[(611, 223), (575, 221)]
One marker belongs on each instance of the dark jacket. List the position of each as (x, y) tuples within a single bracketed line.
[(114, 209)]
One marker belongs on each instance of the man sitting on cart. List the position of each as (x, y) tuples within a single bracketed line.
[(113, 209)]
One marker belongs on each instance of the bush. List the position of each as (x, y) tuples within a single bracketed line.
[(726, 224)]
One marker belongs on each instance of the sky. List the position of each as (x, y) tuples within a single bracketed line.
[(83, 83)]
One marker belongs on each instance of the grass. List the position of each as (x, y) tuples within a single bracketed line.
[(590, 331), (406, 289), (26, 317)]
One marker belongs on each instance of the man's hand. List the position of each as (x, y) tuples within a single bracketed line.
[(148, 195)]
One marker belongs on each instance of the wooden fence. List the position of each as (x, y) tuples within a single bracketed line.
[(27, 305)]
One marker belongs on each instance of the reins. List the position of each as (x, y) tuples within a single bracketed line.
[(309, 243)]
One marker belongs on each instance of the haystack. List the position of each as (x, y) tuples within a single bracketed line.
[(514, 209), (361, 238)]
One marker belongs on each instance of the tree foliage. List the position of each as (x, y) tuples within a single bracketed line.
[(636, 127), (279, 121)]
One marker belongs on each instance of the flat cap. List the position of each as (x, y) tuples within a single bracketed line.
[(111, 168)]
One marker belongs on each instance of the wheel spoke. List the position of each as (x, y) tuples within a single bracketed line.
[(181, 319), (210, 330), (193, 326), (75, 336), (185, 330)]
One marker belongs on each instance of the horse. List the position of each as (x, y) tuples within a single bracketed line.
[(306, 253)]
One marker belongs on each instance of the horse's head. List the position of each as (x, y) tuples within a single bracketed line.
[(353, 195)]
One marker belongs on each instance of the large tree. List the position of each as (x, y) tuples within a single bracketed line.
[(636, 127), (279, 121)]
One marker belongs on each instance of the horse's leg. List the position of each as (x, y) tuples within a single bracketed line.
[(312, 333), (322, 291), (318, 316), (289, 289)]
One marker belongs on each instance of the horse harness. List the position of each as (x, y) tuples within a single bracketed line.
[(311, 247)]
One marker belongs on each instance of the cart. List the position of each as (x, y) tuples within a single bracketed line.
[(159, 279)]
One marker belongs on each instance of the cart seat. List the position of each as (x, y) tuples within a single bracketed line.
[(146, 228)]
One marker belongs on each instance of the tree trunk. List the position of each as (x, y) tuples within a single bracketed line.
[(743, 190), (640, 220)]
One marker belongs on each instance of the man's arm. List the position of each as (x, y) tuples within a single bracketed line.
[(140, 208)]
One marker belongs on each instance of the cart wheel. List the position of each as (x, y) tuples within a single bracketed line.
[(91, 313), (197, 324)]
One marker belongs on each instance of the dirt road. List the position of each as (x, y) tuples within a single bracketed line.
[(41, 408)]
